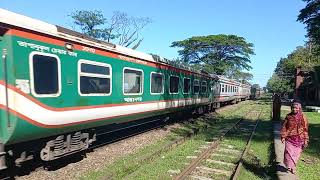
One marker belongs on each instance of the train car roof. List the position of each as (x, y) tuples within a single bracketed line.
[(18, 20), (225, 79), (22, 21)]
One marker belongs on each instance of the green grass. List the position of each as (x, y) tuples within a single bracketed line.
[(309, 163), (259, 161), (207, 127), (126, 164), (173, 159)]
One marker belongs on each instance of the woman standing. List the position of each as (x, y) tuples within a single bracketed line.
[(294, 133)]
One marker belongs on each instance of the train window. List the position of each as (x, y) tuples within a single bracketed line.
[(186, 85), (222, 89), (45, 75), (227, 88), (156, 82), (204, 87), (196, 87), (132, 81), (94, 78), (174, 84)]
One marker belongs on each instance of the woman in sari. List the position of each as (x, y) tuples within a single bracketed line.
[(294, 133)]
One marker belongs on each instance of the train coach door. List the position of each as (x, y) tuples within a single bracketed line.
[(4, 113), (3, 95), (211, 92), (2, 92)]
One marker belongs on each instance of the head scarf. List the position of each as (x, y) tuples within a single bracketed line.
[(298, 115)]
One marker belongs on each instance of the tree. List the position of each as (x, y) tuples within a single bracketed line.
[(283, 79), (278, 84), (302, 56), (120, 28), (311, 17), (244, 77), (89, 23), (217, 53)]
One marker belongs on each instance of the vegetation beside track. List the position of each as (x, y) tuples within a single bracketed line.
[(309, 163), (206, 126), (259, 162), (178, 158)]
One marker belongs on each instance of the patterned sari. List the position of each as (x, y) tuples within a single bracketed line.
[(295, 132)]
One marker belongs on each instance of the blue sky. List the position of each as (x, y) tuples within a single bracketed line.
[(270, 25)]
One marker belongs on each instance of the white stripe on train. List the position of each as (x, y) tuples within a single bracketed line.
[(32, 110)]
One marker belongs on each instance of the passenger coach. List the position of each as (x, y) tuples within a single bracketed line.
[(59, 89), (228, 91)]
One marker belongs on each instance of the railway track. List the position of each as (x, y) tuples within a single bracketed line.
[(142, 128), (212, 161), (108, 138), (170, 146)]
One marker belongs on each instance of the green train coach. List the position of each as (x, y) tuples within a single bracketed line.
[(58, 86)]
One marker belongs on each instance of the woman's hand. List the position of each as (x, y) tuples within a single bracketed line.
[(305, 144), (282, 140)]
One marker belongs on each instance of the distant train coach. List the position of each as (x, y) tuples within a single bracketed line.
[(229, 91), (256, 92), (59, 89)]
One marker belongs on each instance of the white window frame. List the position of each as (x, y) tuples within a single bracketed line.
[(84, 61), (32, 74), (189, 87), (170, 84), (206, 87), (198, 84), (223, 88), (142, 81), (151, 83)]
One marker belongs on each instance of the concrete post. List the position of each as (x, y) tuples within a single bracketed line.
[(298, 82), (276, 108)]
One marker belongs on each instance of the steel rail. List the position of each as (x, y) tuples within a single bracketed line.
[(206, 154), (176, 142), (239, 165), (170, 145)]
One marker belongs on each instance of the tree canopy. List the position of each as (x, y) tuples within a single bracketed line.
[(244, 77), (311, 17), (283, 79), (277, 84), (120, 28), (218, 54)]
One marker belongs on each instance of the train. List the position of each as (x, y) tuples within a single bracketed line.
[(60, 89), (256, 92)]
